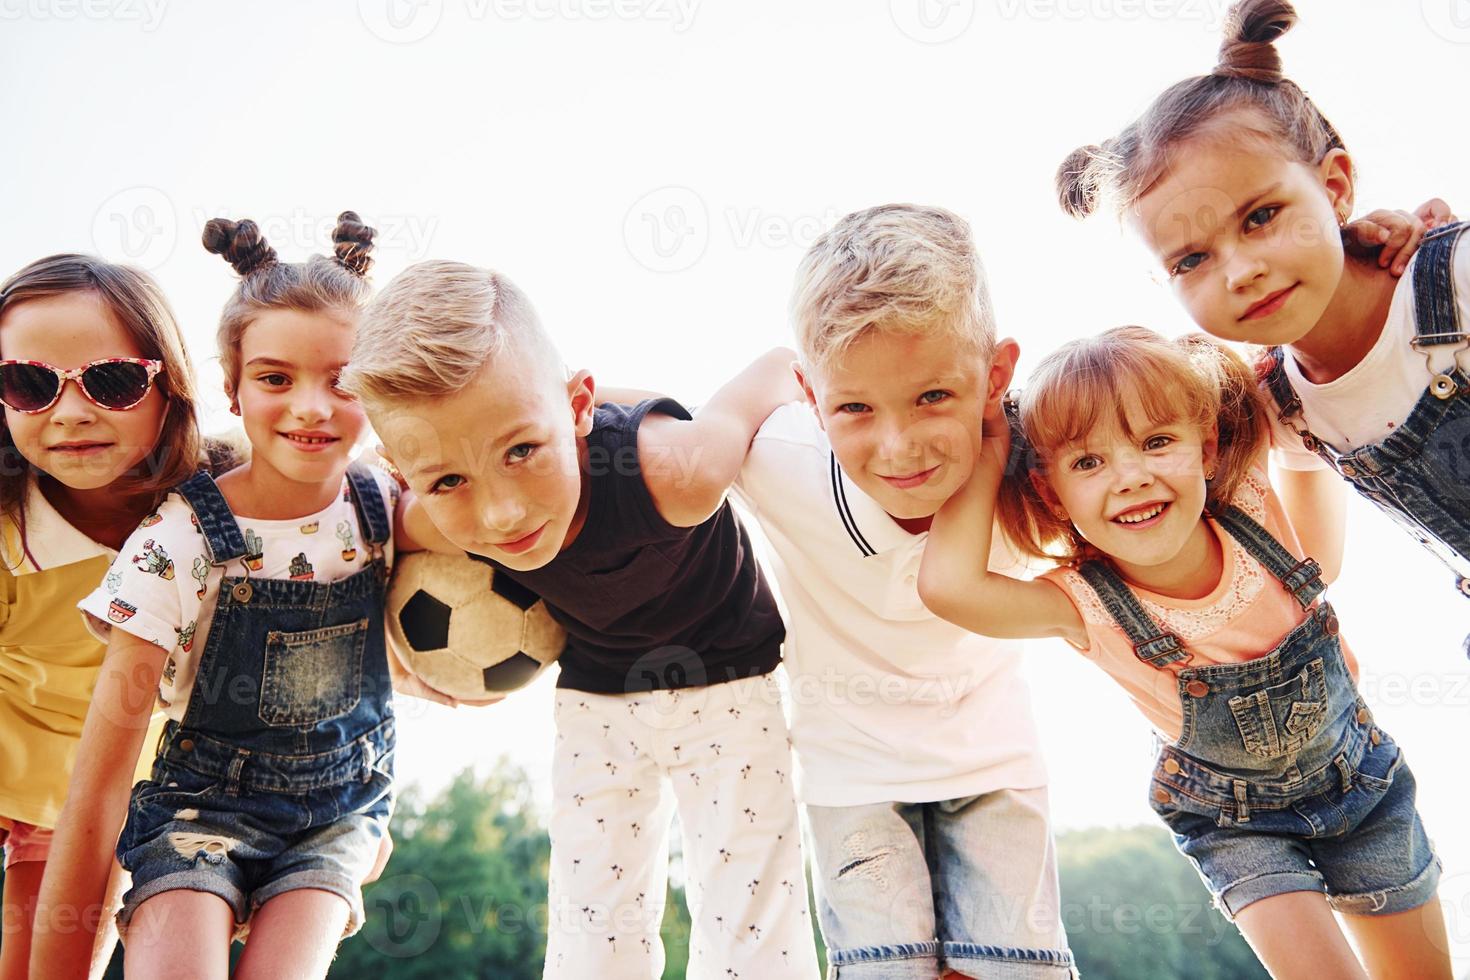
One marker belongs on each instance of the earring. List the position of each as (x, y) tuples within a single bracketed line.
[(235, 409), (1209, 476)]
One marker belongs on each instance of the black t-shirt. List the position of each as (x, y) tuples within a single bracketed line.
[(646, 605)]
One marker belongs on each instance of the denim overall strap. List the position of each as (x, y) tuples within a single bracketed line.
[(222, 537), (372, 513), (1303, 579), (1436, 315), (1151, 643)]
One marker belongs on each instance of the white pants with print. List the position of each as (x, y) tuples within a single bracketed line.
[(721, 755)]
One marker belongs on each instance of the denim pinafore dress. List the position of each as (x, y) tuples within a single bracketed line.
[(1420, 474), (289, 727), (1276, 749)]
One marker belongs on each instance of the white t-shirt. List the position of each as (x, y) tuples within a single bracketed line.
[(1368, 403), (162, 588), (889, 703)]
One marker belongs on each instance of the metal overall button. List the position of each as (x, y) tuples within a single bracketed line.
[(1443, 386), (1171, 767), (242, 592), (1161, 795), (1197, 689), (1363, 716), (1349, 470)]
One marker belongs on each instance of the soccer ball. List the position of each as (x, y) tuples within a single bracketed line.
[(466, 630)]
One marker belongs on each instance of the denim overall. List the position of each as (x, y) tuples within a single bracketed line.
[(1271, 748), (289, 726), (1420, 474)]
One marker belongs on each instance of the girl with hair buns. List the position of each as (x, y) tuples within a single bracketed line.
[(1238, 185), (1182, 579), (99, 421), (262, 637)]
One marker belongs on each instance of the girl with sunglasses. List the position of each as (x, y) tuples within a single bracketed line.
[(252, 609), (99, 421)]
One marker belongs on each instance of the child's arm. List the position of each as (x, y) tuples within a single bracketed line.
[(75, 883), (1315, 502), (954, 580), (690, 465)]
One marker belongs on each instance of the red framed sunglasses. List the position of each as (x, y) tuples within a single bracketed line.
[(114, 383)]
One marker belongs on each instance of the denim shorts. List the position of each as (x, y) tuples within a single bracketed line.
[(907, 891), (185, 831), (1357, 838)]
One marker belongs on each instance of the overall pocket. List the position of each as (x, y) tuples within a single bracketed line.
[(313, 676), (1280, 719)]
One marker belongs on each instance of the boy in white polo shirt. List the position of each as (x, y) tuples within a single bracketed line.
[(917, 756)]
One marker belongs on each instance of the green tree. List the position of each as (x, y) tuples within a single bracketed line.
[(1135, 909)]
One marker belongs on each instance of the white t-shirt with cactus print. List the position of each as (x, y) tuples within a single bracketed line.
[(162, 588)]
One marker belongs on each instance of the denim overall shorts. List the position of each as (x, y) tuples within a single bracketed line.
[(279, 775), (1420, 474), (1280, 781)]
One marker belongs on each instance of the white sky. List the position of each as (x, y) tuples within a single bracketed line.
[(651, 170)]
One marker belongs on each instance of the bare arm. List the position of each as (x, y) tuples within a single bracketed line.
[(1316, 504), (955, 581), (690, 465), (75, 885)]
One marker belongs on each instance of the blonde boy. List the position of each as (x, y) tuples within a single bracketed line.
[(917, 756), (617, 517)]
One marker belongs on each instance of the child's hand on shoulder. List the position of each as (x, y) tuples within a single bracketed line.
[(1395, 235)]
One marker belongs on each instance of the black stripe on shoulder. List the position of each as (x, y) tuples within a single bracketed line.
[(839, 496)]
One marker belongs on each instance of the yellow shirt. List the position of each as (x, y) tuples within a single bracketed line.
[(48, 660)]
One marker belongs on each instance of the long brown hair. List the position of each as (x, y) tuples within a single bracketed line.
[(138, 304), (1192, 379), (321, 283), (1247, 86)]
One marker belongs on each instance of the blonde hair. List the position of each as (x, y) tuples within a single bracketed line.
[(435, 327), (320, 284), (899, 268), (1191, 379)]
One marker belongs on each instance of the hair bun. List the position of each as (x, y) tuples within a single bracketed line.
[(1076, 181), (1249, 48), (240, 243), (352, 241)]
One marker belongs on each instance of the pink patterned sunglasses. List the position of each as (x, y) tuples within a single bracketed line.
[(113, 383)]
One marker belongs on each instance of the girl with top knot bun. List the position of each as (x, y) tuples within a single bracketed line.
[(263, 640), (1241, 189)]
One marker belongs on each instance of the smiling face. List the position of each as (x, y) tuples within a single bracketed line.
[(81, 445), (496, 464), (1136, 493), (303, 429), (1248, 238), (903, 415)]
